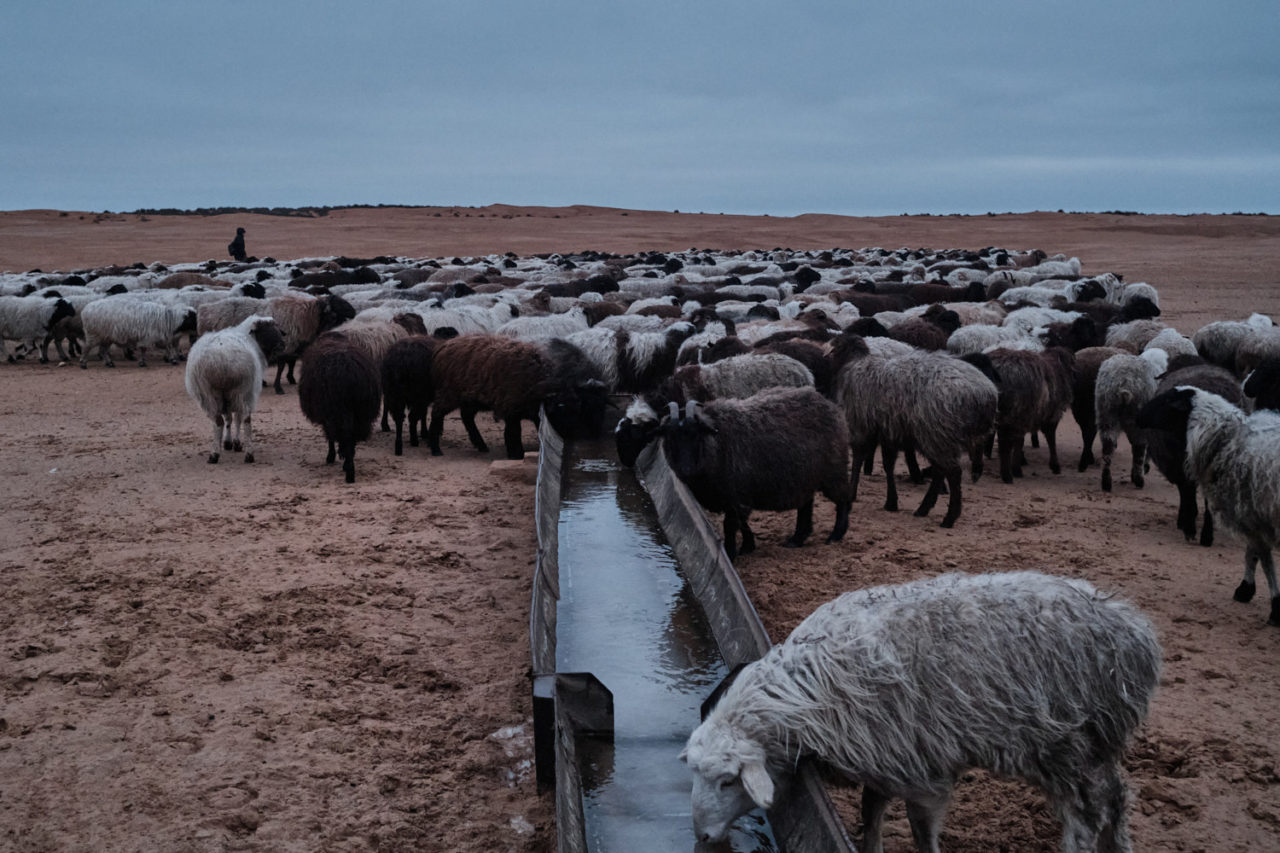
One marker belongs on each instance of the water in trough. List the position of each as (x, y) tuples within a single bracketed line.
[(626, 615)]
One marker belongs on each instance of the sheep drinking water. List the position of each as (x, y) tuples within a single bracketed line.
[(902, 688)]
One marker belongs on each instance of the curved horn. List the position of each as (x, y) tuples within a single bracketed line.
[(690, 408), (675, 410)]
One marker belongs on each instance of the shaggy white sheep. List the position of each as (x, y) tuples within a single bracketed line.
[(224, 376), (903, 688)]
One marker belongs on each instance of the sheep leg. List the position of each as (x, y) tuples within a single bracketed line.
[(748, 535), (104, 354), (1244, 592), (841, 526), (869, 464), (333, 453), (1113, 836), (469, 421), (142, 356), (1088, 432), (247, 420), (804, 526), (888, 459), (511, 437), (398, 416), (913, 466), (1051, 439), (292, 360), (953, 501), (931, 496), (386, 427), (434, 430), (414, 417), (349, 460), (975, 463), (235, 421), (874, 805), (1269, 571), (1035, 438), (1206, 531), (925, 815), (217, 440), (1007, 438), (279, 369), (731, 534), (1138, 471), (1187, 505)]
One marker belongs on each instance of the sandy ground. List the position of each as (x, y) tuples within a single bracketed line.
[(233, 657)]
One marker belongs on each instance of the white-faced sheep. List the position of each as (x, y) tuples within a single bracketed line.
[(133, 322), (1235, 459), (903, 688), (1125, 384), (224, 376), (340, 392), (770, 451), (28, 319), (932, 403), (1168, 450)]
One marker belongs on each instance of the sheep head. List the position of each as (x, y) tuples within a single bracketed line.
[(730, 777), (1169, 411), (688, 441), (267, 336)]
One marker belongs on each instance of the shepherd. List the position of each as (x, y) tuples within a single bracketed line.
[(236, 246)]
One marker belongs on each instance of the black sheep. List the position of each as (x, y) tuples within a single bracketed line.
[(406, 385), (339, 390)]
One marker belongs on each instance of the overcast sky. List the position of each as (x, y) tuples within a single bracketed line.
[(781, 107)]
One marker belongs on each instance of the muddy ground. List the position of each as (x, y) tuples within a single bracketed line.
[(261, 657)]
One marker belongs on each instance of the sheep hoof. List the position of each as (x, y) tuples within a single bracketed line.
[(237, 446), (1244, 592), (1275, 612), (213, 459), (248, 458), (111, 364), (435, 451), (1106, 481), (279, 390), (1138, 481), (921, 513), (792, 543), (948, 522)]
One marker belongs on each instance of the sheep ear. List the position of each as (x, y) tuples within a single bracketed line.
[(684, 754), (758, 785)]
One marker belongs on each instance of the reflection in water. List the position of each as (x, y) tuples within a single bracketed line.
[(626, 615)]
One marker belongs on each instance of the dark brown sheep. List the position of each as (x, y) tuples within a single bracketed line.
[(1035, 391), (339, 391)]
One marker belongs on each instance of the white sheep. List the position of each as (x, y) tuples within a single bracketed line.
[(1125, 384), (903, 688), (28, 319), (128, 321), (224, 376), (1235, 459)]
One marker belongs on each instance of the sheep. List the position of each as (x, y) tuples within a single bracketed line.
[(634, 431), (1217, 342), (340, 392), (132, 322), (301, 319), (1168, 451), (902, 688), (224, 376), (1125, 384), (632, 362), (738, 376), (1084, 383), (1135, 334), (1257, 346), (770, 451), (510, 377), (406, 384), (545, 327), (1172, 342), (929, 402), (1035, 391), (981, 337), (1235, 458), (27, 319), (1263, 384)]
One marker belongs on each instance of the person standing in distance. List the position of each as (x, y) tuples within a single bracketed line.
[(236, 246)]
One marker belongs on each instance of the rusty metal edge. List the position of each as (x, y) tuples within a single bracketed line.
[(804, 819)]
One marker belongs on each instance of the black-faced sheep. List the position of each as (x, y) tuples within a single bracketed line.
[(130, 323), (511, 378), (340, 392), (28, 319), (903, 688), (1235, 459), (224, 376), (770, 451), (1168, 450)]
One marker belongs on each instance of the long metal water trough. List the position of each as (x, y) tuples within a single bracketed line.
[(572, 705)]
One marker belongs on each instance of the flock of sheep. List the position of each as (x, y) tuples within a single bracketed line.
[(768, 377)]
